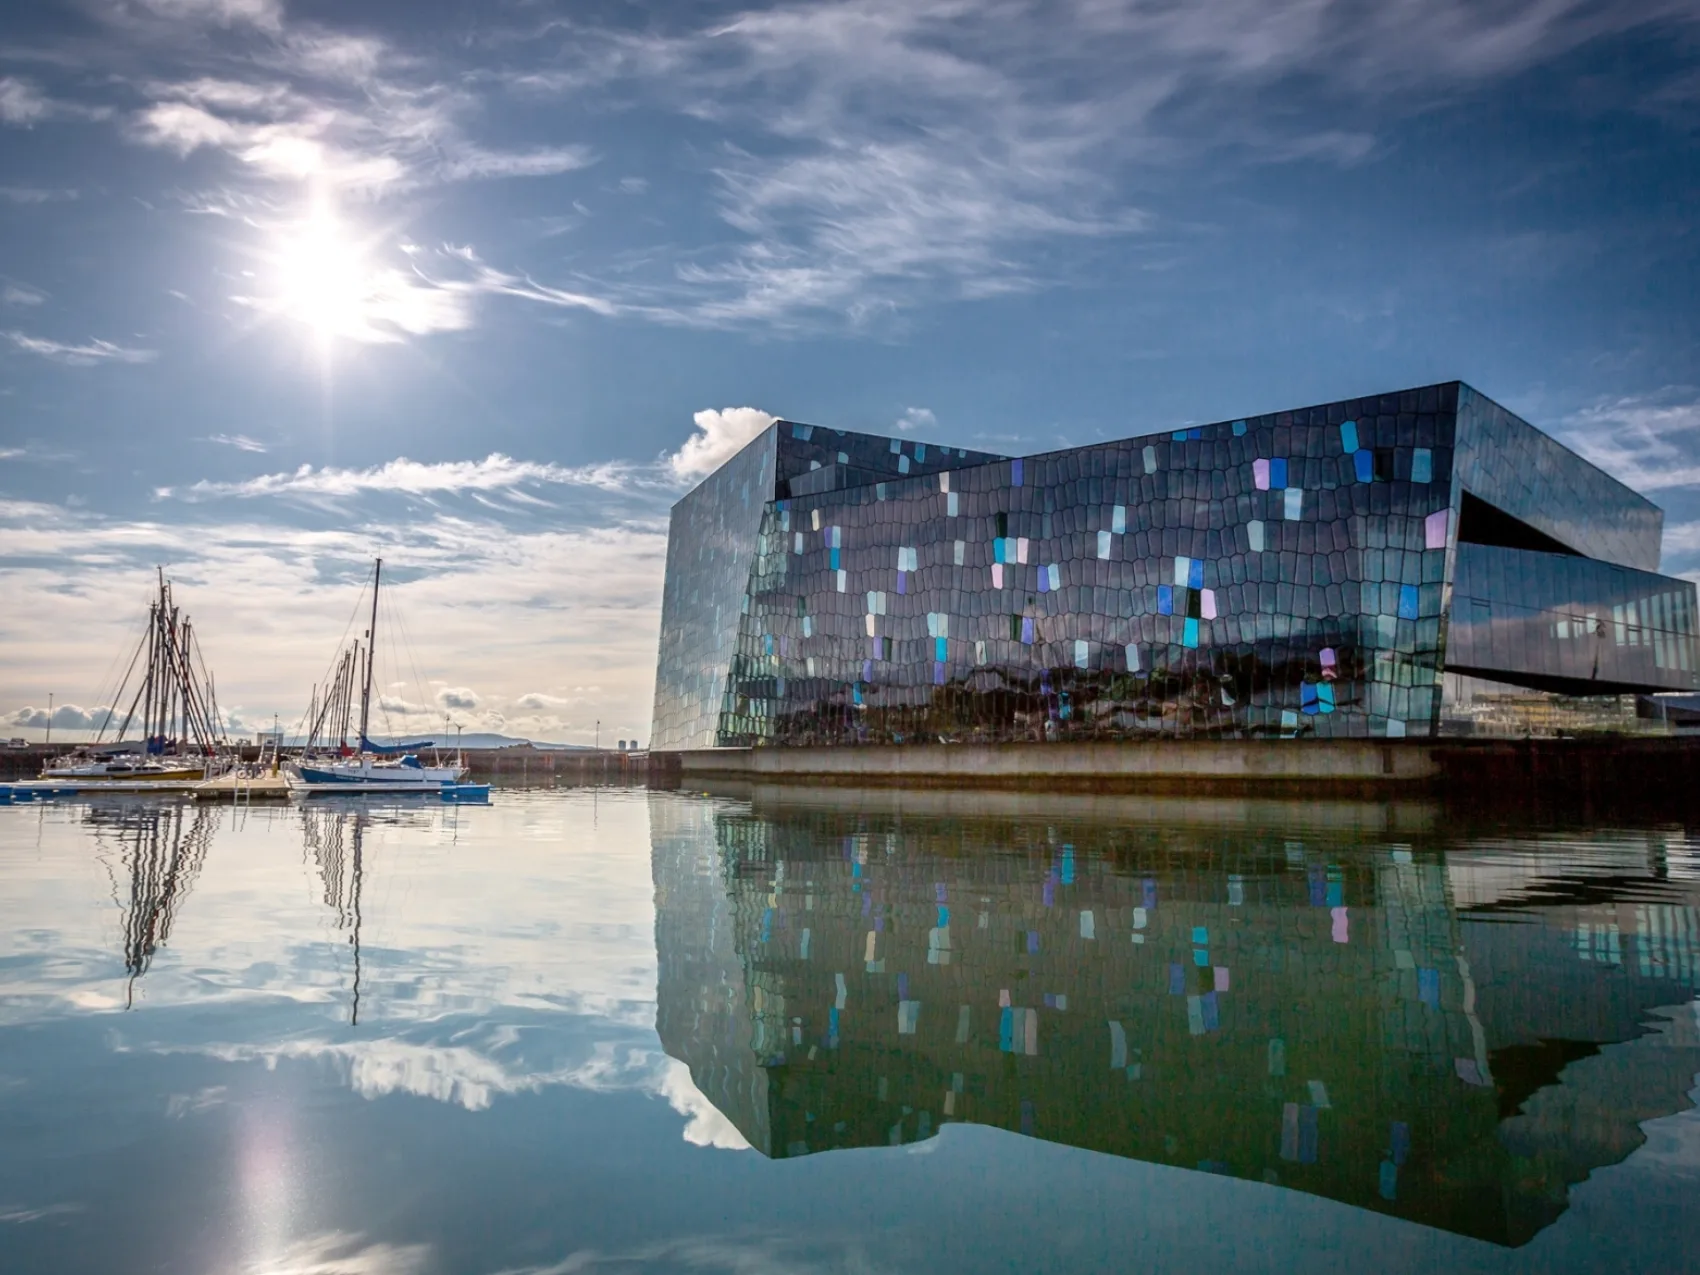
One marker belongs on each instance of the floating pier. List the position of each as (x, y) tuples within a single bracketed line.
[(267, 787)]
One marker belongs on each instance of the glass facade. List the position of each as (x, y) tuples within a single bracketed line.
[(1282, 575)]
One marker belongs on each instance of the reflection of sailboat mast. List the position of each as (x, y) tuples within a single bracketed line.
[(344, 873), (359, 870), (163, 860)]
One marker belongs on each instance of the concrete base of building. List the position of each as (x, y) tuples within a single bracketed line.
[(1190, 765), (1603, 770)]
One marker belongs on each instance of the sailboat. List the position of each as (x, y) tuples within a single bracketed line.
[(173, 705), (329, 764)]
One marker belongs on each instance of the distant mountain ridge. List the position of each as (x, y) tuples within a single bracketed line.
[(508, 741), (446, 739)]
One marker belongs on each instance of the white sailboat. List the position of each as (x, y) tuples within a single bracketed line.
[(340, 768), (173, 704)]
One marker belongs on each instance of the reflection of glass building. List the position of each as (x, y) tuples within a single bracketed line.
[(1324, 571), (1437, 1032)]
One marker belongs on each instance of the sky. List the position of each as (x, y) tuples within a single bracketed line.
[(484, 288)]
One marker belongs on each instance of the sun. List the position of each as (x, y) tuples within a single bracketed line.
[(324, 278)]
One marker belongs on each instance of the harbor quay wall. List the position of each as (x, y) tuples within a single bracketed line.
[(1605, 768), (1189, 762)]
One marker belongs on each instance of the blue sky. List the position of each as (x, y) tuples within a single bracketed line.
[(482, 287)]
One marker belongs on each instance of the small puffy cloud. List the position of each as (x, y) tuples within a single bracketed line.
[(458, 697), (22, 294), (65, 717), (915, 418), (21, 102), (721, 434), (399, 707), (538, 702), (705, 1126)]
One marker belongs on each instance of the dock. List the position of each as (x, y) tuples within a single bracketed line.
[(271, 787), (268, 787)]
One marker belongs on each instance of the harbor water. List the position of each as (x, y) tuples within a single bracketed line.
[(792, 1030)]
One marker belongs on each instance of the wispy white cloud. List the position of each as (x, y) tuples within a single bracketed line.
[(319, 276), (720, 434), (1649, 442), (475, 162), (921, 148), (23, 105), (343, 111), (21, 1215), (87, 355), (21, 294), (35, 194), (241, 442), (495, 472)]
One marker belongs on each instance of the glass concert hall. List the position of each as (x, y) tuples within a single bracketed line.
[(1406, 564)]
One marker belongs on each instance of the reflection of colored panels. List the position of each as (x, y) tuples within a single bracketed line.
[(1033, 1020)]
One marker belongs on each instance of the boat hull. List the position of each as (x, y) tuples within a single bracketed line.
[(408, 776), (90, 778), (447, 792)]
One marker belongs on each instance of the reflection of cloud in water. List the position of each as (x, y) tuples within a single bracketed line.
[(191, 1104), (339, 1253), (752, 1255), (470, 1075), (19, 1215), (706, 1127)]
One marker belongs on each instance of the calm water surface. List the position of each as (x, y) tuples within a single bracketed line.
[(763, 1031)]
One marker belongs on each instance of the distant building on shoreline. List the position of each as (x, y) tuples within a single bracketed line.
[(1366, 568)]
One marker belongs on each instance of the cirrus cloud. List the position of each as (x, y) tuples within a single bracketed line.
[(89, 354)]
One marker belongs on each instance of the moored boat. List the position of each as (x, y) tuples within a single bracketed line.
[(96, 767), (173, 704), (329, 764)]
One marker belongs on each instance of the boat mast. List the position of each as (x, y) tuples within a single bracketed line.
[(371, 647)]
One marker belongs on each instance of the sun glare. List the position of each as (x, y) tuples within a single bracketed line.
[(324, 278)]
